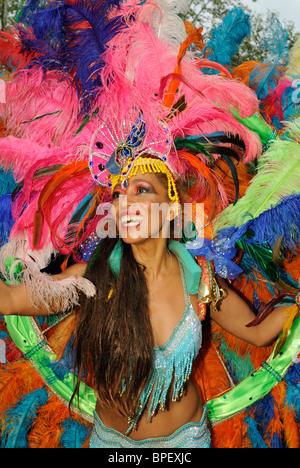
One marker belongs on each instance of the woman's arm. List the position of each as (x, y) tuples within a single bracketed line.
[(16, 300), (234, 314)]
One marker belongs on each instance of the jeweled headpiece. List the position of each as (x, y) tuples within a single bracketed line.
[(113, 151)]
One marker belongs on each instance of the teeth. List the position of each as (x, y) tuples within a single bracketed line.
[(132, 220)]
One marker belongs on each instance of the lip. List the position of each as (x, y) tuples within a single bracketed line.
[(130, 221), (129, 213)]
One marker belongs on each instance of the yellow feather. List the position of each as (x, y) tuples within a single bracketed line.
[(292, 313)]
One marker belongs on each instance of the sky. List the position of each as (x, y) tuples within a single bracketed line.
[(286, 9)]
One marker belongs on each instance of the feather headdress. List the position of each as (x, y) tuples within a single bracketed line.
[(134, 69)]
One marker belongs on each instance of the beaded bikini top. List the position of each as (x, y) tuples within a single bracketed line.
[(172, 362)]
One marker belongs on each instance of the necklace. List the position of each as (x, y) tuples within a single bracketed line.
[(158, 281)]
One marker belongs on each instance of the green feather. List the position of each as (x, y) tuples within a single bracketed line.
[(262, 255), (278, 176)]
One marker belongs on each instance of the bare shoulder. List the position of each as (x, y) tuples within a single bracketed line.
[(78, 269)]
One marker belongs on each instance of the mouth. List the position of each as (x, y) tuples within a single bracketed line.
[(131, 220)]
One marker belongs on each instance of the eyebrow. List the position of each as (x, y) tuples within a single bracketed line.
[(136, 181)]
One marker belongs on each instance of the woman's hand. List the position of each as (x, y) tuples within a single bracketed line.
[(16, 300)]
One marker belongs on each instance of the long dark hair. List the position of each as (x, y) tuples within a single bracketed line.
[(113, 333)]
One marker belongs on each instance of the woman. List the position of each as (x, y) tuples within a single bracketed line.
[(140, 334), (142, 316)]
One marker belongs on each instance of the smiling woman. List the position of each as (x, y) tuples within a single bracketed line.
[(110, 328), (144, 208)]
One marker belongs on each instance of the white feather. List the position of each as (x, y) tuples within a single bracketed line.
[(162, 17), (43, 288)]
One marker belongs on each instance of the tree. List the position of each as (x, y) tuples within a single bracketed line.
[(8, 11)]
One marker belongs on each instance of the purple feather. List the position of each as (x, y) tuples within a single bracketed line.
[(72, 38)]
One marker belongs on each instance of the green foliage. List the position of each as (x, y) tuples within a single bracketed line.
[(8, 11)]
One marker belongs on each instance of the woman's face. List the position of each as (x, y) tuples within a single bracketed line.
[(143, 209)]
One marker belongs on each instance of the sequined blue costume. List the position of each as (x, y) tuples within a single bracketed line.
[(171, 369)]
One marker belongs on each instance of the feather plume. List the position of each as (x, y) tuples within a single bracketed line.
[(53, 185), (242, 72), (163, 17), (72, 37), (47, 430), (7, 221), (281, 221), (10, 49), (203, 170), (173, 86), (74, 434), (277, 177), (20, 418), (293, 68), (265, 77), (40, 107), (279, 105), (291, 312), (227, 37)]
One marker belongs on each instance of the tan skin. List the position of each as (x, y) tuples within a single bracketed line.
[(166, 295)]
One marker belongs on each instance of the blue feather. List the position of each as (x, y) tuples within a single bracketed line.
[(19, 419), (265, 77), (281, 220), (58, 42), (227, 38), (7, 182), (264, 412), (293, 388), (254, 434), (74, 434), (64, 365), (6, 221), (276, 442)]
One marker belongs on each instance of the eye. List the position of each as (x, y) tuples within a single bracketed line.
[(101, 167), (99, 144), (142, 190), (116, 195)]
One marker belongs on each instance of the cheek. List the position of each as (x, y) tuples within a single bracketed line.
[(115, 211)]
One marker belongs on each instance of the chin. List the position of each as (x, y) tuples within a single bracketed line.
[(133, 240)]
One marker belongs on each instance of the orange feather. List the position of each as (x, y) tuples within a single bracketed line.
[(212, 184), (50, 188), (174, 83)]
